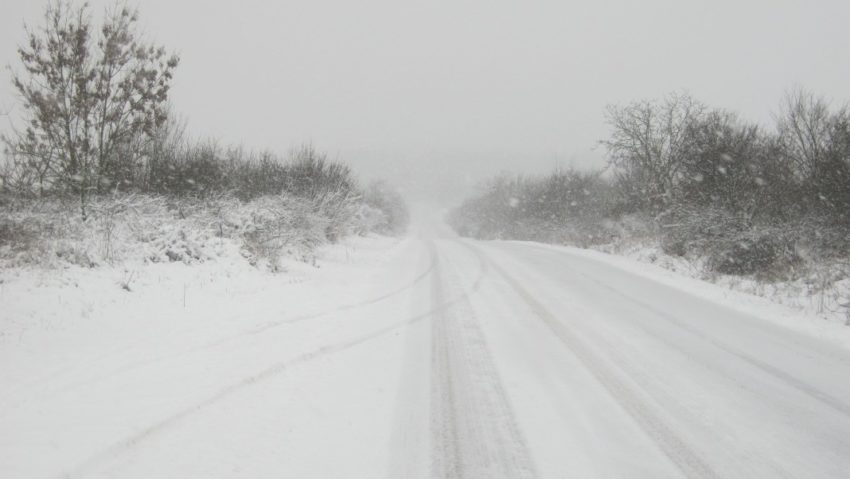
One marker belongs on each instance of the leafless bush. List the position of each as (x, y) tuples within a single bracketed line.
[(566, 206), (120, 227), (730, 242), (279, 226)]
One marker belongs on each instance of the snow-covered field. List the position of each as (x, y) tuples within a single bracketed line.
[(91, 371), (428, 356)]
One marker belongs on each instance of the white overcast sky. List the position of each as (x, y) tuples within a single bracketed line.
[(499, 84)]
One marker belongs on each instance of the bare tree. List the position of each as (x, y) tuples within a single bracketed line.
[(724, 165), (86, 93), (803, 124), (815, 139), (649, 144)]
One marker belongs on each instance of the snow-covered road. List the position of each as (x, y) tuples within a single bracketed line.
[(440, 357)]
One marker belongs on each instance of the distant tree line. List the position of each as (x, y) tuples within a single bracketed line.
[(701, 180)]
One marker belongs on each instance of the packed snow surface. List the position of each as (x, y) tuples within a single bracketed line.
[(428, 356)]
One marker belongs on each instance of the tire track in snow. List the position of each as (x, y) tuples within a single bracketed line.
[(233, 337), (801, 386), (127, 444), (412, 284), (828, 400), (445, 448), (474, 432), (408, 446), (675, 448), (173, 419)]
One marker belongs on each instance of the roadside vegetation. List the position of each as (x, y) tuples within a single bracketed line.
[(702, 187), (98, 169)]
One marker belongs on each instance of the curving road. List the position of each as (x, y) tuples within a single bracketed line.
[(558, 365)]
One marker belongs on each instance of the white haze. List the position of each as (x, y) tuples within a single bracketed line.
[(454, 91)]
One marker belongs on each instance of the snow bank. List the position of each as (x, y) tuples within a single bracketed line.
[(787, 304)]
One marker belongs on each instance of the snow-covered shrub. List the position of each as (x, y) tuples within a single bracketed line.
[(731, 243), (765, 254), (121, 227), (384, 198), (272, 227), (44, 231), (338, 209), (368, 219), (178, 243), (687, 229)]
